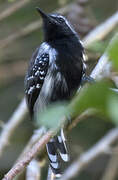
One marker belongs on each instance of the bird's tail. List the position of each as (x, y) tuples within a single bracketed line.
[(56, 147)]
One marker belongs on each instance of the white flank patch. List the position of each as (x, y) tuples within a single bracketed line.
[(62, 135), (47, 88), (81, 42), (59, 139), (85, 58)]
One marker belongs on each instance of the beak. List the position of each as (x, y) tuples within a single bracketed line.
[(43, 15)]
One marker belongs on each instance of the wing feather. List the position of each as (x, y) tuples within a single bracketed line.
[(35, 77)]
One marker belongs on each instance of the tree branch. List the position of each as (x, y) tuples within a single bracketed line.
[(18, 167), (97, 34), (50, 174), (86, 158), (112, 167), (28, 29), (10, 10), (13, 122), (33, 171), (102, 30), (33, 140)]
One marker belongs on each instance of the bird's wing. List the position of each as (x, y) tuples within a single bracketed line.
[(35, 77)]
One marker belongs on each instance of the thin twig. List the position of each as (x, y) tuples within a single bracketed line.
[(33, 171), (97, 34), (28, 29), (13, 8), (102, 30), (84, 115), (50, 174), (18, 167), (112, 167), (100, 67), (13, 122), (86, 158), (34, 138), (17, 69)]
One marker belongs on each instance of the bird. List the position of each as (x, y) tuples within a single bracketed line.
[(54, 74)]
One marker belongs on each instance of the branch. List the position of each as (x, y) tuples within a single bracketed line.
[(35, 137), (33, 170), (97, 34), (17, 69), (50, 174), (112, 167), (86, 158), (13, 122), (9, 11), (28, 29), (100, 67), (102, 30), (18, 167)]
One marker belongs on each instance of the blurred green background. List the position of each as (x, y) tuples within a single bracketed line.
[(14, 58)]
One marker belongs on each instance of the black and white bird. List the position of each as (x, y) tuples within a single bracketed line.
[(55, 72)]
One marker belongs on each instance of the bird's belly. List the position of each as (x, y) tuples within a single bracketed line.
[(56, 88)]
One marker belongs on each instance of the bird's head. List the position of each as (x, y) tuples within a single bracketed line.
[(55, 26)]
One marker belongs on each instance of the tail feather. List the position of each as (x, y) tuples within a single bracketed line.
[(55, 147), (51, 149), (61, 145), (53, 156)]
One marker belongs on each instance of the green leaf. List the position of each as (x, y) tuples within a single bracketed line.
[(52, 116), (94, 96), (98, 96), (113, 108), (112, 51)]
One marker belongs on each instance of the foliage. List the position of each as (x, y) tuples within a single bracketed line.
[(112, 51), (53, 116), (98, 96)]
